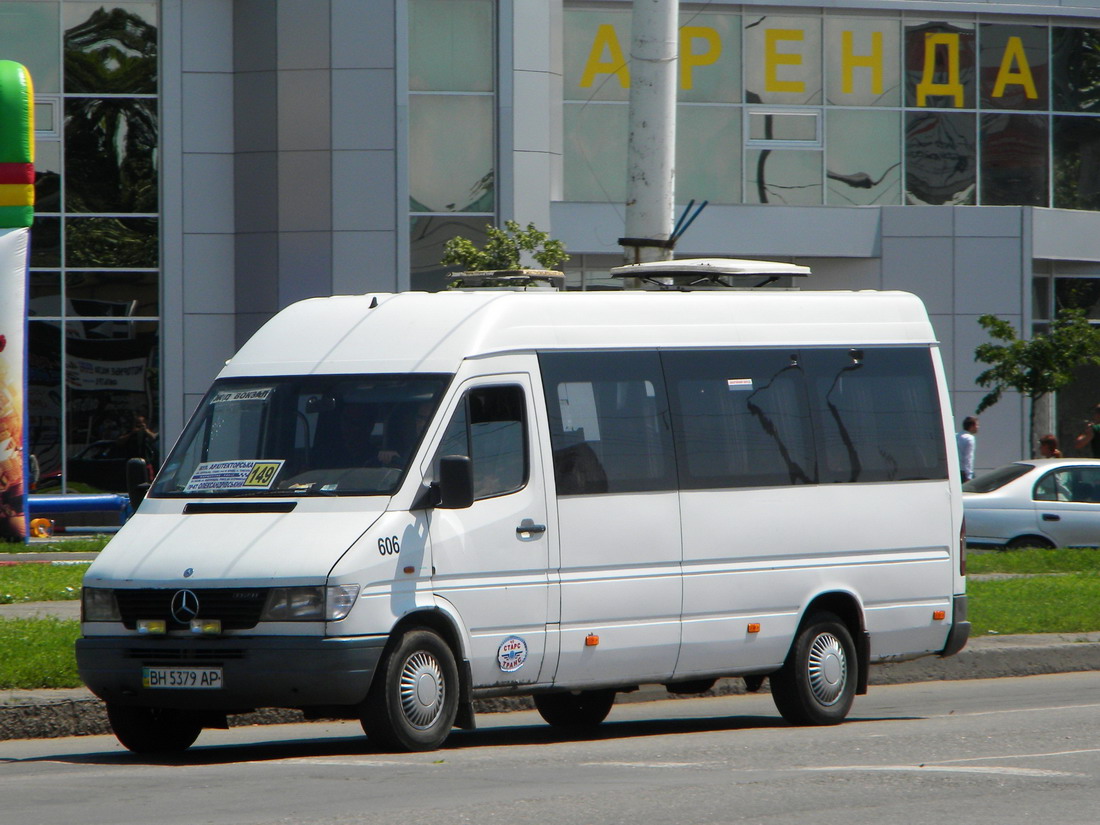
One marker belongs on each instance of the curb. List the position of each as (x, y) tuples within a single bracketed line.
[(55, 713)]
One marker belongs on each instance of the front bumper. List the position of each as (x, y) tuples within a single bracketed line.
[(257, 672)]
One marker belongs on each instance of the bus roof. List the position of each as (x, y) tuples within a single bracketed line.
[(434, 332)]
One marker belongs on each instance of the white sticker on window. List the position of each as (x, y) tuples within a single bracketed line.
[(735, 384), (242, 395), (233, 475)]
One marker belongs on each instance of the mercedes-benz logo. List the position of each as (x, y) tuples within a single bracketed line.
[(185, 606)]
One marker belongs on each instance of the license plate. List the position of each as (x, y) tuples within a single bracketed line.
[(185, 678)]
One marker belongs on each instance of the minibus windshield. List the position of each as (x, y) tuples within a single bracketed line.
[(302, 435)]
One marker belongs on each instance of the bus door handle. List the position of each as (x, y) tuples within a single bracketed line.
[(1051, 517), (528, 529)]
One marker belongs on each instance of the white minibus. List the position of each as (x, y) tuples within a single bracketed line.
[(389, 506)]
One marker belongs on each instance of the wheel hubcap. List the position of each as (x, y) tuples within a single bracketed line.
[(422, 690), (828, 669)]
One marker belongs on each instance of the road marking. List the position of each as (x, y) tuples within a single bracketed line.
[(648, 764), (1030, 772)]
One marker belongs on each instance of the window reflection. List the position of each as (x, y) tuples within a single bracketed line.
[(1014, 67), (44, 296), (596, 144), (941, 162), (862, 62), (47, 176), (863, 158), (939, 65), (1078, 293), (782, 59), (451, 153), (110, 155), (1076, 71), (1014, 160), (428, 235), (451, 45), (708, 154), (110, 50), (24, 29), (44, 397), (1077, 162), (111, 242), (787, 177), (46, 242), (111, 293)]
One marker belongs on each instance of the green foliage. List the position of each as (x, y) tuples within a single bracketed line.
[(504, 248), (40, 582), (38, 653), (1038, 366)]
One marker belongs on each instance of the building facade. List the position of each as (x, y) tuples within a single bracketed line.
[(203, 163)]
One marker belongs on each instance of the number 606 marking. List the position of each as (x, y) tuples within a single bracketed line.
[(389, 546)]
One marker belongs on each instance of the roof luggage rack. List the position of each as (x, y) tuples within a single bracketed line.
[(708, 273)]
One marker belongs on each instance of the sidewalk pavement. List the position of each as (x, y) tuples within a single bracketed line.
[(32, 714)]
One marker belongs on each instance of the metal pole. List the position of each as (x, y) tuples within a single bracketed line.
[(651, 150)]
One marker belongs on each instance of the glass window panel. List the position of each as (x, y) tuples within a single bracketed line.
[(595, 152), (111, 49), (786, 177), (45, 402), (428, 235), (110, 155), (111, 242), (862, 158), (939, 64), (1075, 76), (111, 391), (940, 158), (451, 153), (451, 45), (1040, 298), (1078, 293), (44, 296), (782, 59), (112, 293), (1076, 162), (708, 154), (29, 35), (1014, 67), (1014, 160), (863, 61), (710, 58), (784, 126), (597, 50), (46, 242), (47, 176)]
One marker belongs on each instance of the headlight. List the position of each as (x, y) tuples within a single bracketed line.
[(98, 604), (310, 604)]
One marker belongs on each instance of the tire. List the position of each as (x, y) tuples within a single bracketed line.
[(414, 697), (153, 730), (574, 711), (816, 685), (1020, 542)]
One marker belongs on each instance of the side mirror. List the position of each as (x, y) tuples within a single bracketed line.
[(137, 480), (456, 482)]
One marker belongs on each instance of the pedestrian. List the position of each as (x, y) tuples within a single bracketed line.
[(1091, 435), (967, 442), (1048, 447)]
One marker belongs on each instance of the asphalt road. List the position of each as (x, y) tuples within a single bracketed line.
[(1012, 750)]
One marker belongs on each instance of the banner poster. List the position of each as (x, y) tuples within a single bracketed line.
[(16, 215)]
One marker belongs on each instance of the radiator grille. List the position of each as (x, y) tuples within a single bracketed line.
[(238, 609)]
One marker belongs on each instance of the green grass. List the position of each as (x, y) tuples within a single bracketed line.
[(1067, 603), (1031, 562), (82, 545), (40, 582), (38, 653)]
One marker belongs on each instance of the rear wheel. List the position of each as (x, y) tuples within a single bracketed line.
[(582, 709), (153, 730), (414, 698), (1021, 542), (816, 685)]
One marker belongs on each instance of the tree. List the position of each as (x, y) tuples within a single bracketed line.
[(503, 249), (1035, 367)]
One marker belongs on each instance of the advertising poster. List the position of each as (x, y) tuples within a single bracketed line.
[(16, 215)]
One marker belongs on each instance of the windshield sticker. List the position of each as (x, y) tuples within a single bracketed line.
[(233, 475), (739, 384), (242, 395)]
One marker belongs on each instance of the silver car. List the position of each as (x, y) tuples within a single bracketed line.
[(1047, 502)]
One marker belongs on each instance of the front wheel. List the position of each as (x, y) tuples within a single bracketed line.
[(414, 698), (572, 711), (153, 730), (816, 685)]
